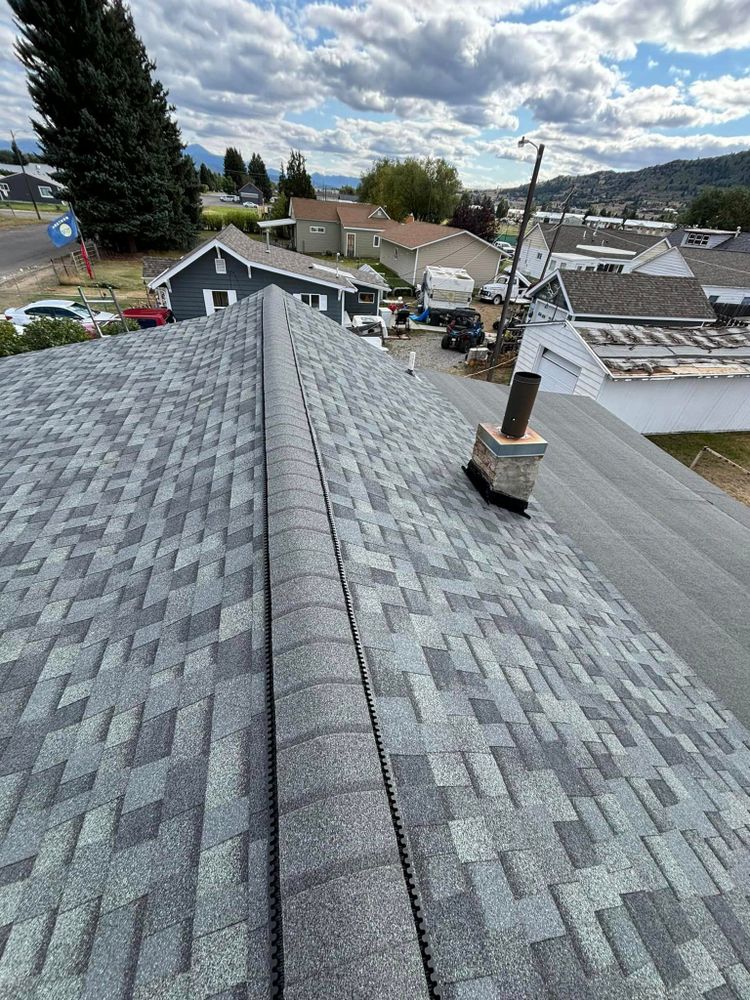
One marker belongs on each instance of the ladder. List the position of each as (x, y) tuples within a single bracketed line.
[(107, 298)]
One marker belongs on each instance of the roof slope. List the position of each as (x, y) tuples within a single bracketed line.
[(632, 294), (574, 239), (574, 800), (737, 244), (265, 255), (728, 269), (418, 234)]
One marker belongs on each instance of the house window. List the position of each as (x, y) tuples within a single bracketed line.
[(713, 298), (366, 298), (539, 256), (45, 192), (4, 190), (216, 299), (395, 252), (376, 241), (312, 299), (613, 268), (221, 265), (697, 240), (317, 229)]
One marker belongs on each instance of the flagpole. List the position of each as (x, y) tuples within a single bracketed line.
[(84, 251)]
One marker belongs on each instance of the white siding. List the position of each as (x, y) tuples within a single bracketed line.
[(474, 256), (561, 339), (670, 263), (648, 254), (533, 254), (666, 406), (734, 296)]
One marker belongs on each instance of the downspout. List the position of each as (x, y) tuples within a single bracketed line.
[(416, 261)]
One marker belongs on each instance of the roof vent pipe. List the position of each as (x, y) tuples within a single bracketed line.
[(520, 404)]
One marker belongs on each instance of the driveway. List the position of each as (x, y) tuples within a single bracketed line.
[(26, 246)]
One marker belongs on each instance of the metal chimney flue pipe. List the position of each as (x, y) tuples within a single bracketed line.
[(520, 404)]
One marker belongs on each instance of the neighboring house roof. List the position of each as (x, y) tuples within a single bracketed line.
[(727, 269), (740, 243), (633, 294), (352, 215), (577, 239), (259, 254), (367, 275), (225, 575), (250, 187), (39, 178), (154, 266), (412, 235), (645, 351)]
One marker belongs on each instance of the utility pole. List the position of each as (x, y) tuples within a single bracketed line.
[(516, 256), (26, 176), (556, 233)]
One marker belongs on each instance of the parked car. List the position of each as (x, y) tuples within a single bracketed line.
[(148, 317), (505, 246), (229, 197), (56, 309)]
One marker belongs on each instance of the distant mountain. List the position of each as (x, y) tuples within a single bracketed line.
[(674, 183), (215, 162), (25, 145)]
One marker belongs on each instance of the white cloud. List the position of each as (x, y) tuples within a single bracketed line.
[(406, 77)]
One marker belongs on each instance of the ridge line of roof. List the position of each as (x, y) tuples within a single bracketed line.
[(336, 827)]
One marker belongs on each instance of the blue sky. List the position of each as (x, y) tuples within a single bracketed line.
[(615, 84)]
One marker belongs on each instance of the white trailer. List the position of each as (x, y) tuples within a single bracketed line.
[(445, 290)]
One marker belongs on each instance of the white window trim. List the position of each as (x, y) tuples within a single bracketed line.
[(376, 242), (45, 192), (369, 301), (317, 229), (208, 299), (306, 296)]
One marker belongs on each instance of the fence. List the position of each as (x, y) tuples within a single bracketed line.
[(734, 479)]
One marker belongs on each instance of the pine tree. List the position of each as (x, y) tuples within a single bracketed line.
[(206, 177), (234, 167), (258, 174), (298, 183), (106, 124)]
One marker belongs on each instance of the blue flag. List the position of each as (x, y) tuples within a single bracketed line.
[(63, 230)]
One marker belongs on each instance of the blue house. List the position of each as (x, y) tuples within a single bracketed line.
[(231, 266)]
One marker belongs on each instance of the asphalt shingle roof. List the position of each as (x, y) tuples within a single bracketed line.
[(418, 234), (727, 269), (575, 801), (154, 266), (632, 294), (575, 239)]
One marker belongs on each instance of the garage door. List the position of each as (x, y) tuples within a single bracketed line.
[(558, 374)]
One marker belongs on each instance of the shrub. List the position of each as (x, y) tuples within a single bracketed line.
[(44, 333), (115, 327), (10, 341), (215, 219)]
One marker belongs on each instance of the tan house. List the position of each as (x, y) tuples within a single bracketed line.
[(408, 248), (352, 229)]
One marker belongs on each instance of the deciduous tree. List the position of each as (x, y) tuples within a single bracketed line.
[(428, 188)]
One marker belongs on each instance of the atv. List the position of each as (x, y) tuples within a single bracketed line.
[(464, 331)]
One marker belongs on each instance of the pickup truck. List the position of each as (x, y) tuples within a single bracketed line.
[(495, 291)]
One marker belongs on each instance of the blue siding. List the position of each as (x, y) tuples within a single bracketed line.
[(356, 308), (186, 296)]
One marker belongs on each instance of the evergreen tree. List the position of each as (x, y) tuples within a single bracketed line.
[(234, 167), (206, 177), (105, 123), (298, 183), (501, 209), (258, 174)]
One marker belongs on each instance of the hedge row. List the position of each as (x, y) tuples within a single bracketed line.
[(43, 333), (245, 219)]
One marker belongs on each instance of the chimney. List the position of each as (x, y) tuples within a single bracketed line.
[(409, 219), (505, 459)]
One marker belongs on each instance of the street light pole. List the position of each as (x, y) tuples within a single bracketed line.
[(519, 243), (19, 156)]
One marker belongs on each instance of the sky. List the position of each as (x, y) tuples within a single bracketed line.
[(605, 84)]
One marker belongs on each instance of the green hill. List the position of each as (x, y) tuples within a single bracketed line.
[(674, 183)]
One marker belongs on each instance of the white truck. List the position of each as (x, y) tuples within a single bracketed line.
[(443, 291), (495, 291)]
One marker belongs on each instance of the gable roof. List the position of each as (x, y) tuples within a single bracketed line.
[(739, 243), (249, 185), (39, 178), (154, 266), (412, 235), (221, 563), (632, 295), (728, 269), (348, 214), (259, 254)]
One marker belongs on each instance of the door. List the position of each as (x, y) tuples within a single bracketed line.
[(558, 374), (351, 244)]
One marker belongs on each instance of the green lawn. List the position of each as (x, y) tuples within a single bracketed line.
[(26, 206), (685, 447)]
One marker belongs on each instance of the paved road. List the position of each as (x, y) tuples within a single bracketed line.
[(24, 247), (673, 544)]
